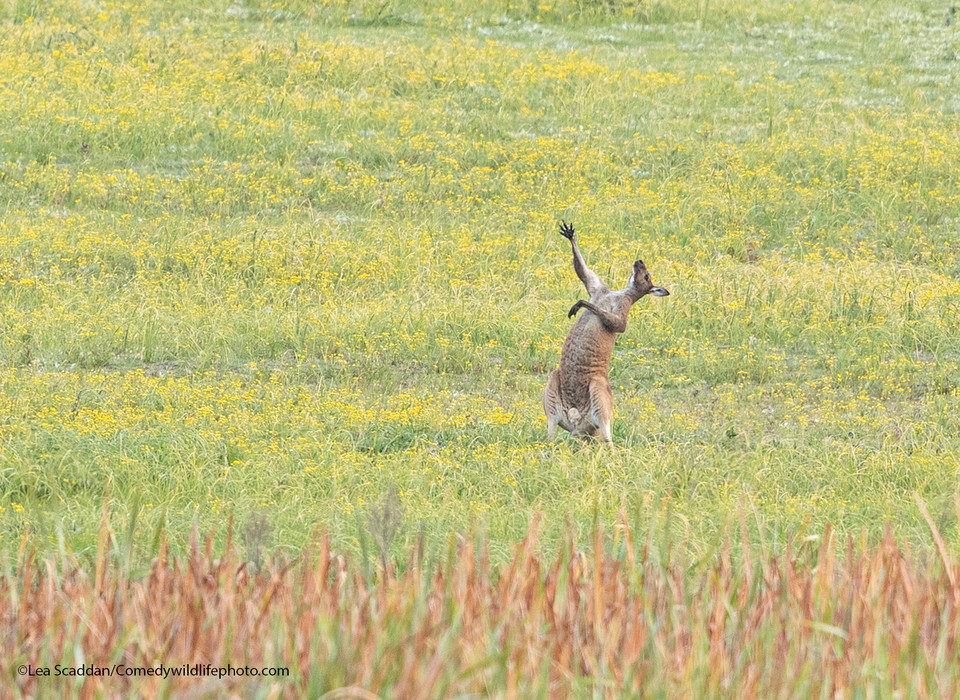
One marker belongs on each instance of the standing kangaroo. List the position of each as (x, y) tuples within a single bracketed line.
[(577, 396)]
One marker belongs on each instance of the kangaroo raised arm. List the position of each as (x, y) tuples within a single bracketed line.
[(577, 396)]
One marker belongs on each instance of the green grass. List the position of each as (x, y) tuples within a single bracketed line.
[(275, 259)]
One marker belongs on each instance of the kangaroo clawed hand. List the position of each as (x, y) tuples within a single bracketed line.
[(566, 230), (575, 308)]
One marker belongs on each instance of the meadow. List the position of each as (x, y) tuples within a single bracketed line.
[(287, 276), (276, 261)]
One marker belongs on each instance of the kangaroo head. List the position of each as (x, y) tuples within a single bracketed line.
[(640, 282)]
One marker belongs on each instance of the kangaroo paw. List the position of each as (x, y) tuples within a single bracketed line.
[(566, 230)]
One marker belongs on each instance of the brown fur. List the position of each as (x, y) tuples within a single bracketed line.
[(577, 396)]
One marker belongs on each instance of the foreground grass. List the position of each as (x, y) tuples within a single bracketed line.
[(626, 618), (278, 261)]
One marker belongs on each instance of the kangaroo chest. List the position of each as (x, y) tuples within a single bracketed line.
[(585, 356)]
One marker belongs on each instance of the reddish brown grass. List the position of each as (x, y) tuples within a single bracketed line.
[(809, 623)]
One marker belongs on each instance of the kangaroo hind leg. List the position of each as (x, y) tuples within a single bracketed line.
[(601, 408), (551, 404)]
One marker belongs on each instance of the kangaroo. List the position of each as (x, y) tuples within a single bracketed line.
[(577, 396)]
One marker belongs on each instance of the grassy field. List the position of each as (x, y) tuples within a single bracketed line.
[(277, 261)]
